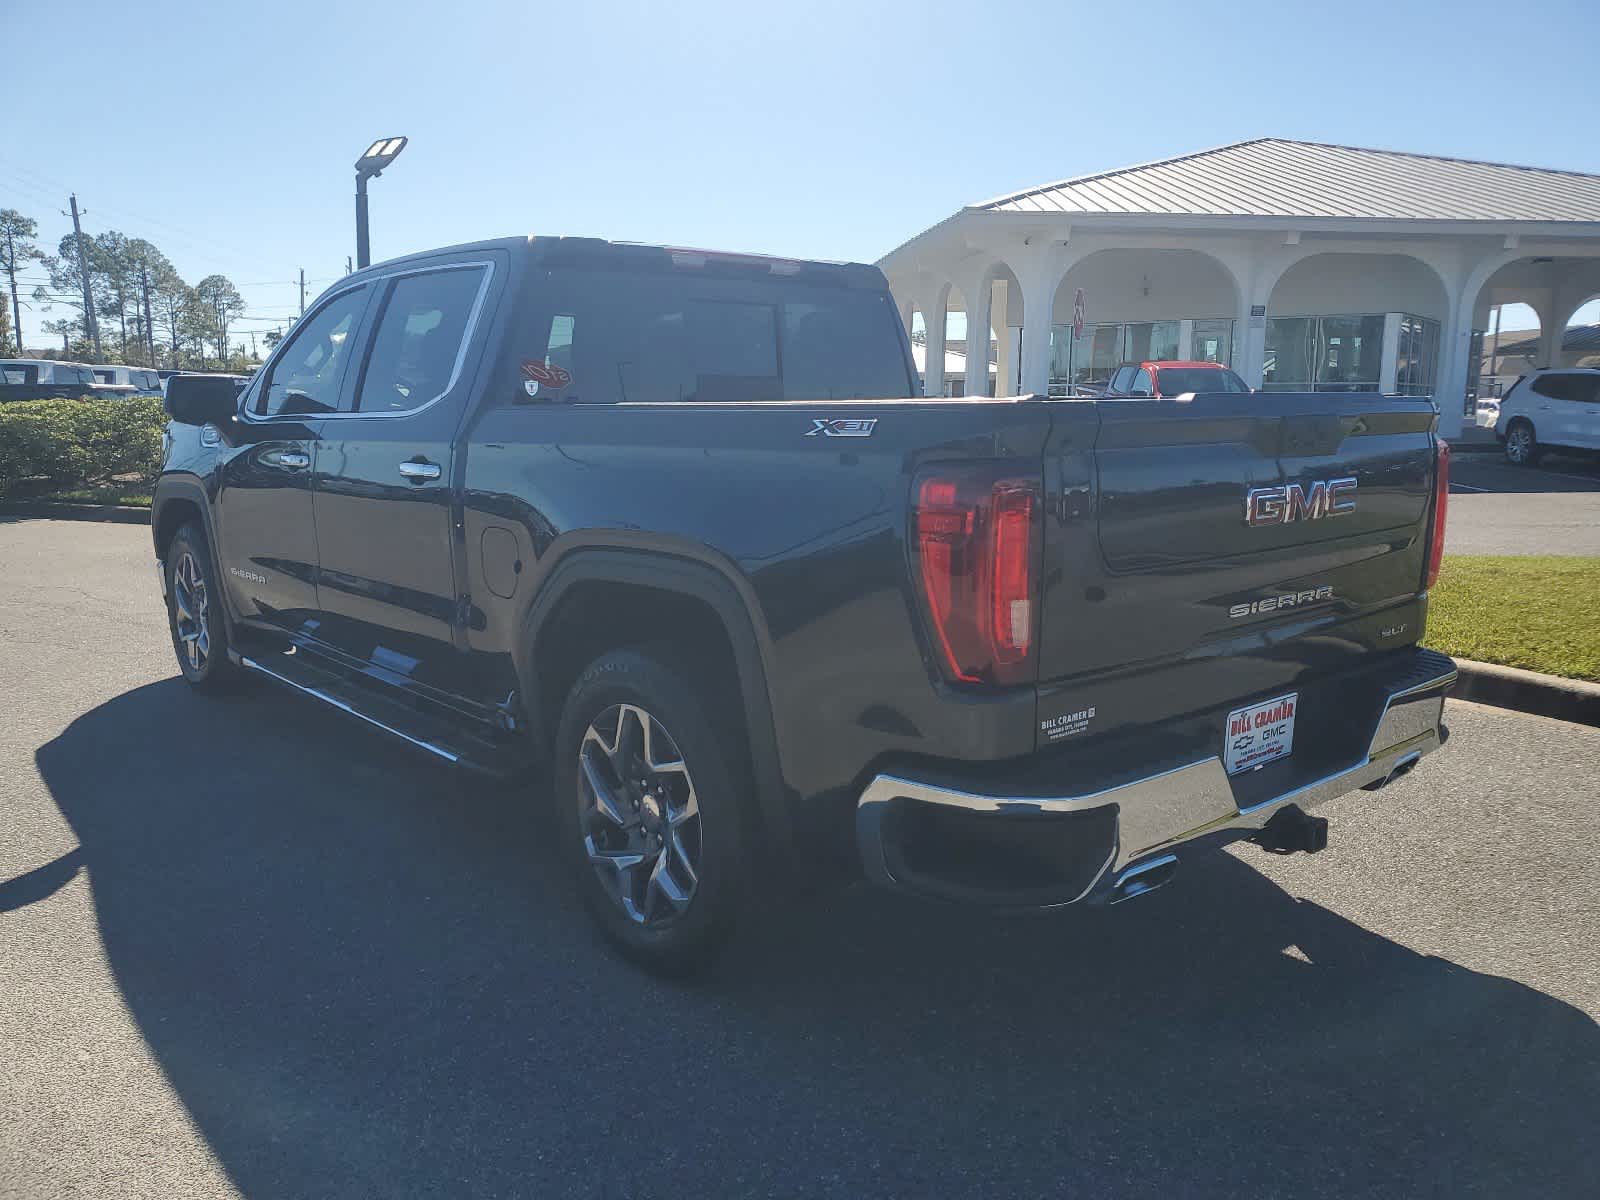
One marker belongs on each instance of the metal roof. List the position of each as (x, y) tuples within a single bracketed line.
[(1272, 177), (1584, 338)]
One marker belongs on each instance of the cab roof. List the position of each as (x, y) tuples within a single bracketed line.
[(599, 252)]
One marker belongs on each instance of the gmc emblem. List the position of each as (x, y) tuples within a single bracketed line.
[(1298, 502)]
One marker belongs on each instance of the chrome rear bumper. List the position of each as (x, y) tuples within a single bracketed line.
[(1134, 827)]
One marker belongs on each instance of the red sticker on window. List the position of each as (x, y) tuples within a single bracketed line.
[(546, 373)]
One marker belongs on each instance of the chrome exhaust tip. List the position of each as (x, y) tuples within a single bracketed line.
[(1144, 877)]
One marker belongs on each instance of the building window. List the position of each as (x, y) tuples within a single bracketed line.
[(1417, 357), (1340, 353), (1088, 361), (1212, 341)]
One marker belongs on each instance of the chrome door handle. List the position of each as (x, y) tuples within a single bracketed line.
[(294, 460), (420, 472)]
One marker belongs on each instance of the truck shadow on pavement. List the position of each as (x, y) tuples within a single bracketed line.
[(363, 976)]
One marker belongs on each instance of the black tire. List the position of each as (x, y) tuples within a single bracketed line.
[(1522, 445), (189, 559), (667, 940)]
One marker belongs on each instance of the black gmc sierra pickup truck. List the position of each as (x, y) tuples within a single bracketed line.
[(673, 528)]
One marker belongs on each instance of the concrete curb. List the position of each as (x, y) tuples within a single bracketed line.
[(123, 514), (1528, 691)]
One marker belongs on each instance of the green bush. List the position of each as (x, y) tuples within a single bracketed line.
[(75, 443)]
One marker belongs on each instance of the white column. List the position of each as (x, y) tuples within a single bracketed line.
[(1389, 363), (935, 315), (1040, 277), (1185, 340), (1455, 350), (977, 376), (1250, 343), (1005, 374)]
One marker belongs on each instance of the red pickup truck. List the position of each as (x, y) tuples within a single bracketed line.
[(1172, 378)]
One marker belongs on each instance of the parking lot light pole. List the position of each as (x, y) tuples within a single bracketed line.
[(370, 165)]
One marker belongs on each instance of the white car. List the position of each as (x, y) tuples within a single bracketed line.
[(141, 380), (1549, 409)]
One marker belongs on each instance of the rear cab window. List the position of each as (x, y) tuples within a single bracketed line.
[(614, 335)]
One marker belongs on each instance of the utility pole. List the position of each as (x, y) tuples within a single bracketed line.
[(16, 301), (302, 291), (149, 321), (83, 271), (252, 343), (347, 265)]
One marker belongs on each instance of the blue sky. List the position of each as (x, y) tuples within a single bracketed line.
[(226, 134)]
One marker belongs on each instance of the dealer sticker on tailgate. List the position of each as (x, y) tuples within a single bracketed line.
[(1259, 734)]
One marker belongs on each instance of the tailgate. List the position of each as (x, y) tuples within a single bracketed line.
[(1153, 569)]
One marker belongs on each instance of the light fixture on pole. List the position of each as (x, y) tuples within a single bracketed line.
[(378, 156)]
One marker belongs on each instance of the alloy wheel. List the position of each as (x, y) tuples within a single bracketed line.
[(1518, 442), (639, 815), (190, 616)]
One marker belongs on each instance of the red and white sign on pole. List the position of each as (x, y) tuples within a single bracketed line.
[(1080, 308)]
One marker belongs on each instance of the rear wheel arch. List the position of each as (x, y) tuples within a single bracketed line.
[(598, 600)]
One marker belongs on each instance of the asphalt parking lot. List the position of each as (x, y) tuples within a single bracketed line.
[(1496, 508), (248, 948)]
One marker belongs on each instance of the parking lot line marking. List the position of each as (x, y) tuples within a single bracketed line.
[(1465, 487)]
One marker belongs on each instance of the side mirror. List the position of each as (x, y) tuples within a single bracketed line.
[(202, 399)]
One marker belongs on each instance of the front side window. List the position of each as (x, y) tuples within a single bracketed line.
[(105, 376), (20, 374), (418, 340), (1141, 383), (306, 377)]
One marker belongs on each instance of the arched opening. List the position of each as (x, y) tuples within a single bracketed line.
[(1000, 351), (1355, 323), (1139, 305), (1531, 312), (917, 331), (1580, 341)]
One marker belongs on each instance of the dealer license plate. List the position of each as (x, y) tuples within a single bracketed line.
[(1260, 734)]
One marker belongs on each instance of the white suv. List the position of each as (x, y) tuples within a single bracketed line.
[(1557, 407)]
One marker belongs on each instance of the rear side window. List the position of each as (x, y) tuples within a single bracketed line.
[(1175, 381), (19, 374), (1578, 388), (618, 337), (419, 339)]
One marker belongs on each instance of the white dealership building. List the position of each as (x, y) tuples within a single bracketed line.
[(1304, 266)]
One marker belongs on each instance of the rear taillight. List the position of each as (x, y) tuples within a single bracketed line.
[(976, 534), (1441, 502)]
